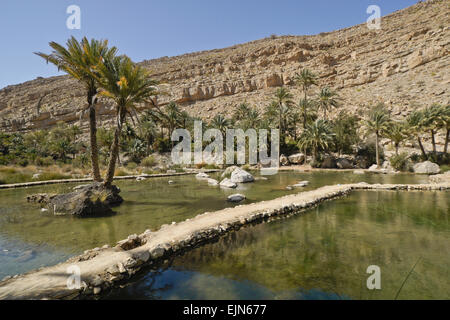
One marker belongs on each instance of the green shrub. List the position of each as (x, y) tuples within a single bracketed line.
[(400, 162), (44, 161), (131, 165), (16, 177), (150, 161)]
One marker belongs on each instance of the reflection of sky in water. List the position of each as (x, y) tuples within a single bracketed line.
[(148, 205), (321, 254), (187, 285), (16, 257)]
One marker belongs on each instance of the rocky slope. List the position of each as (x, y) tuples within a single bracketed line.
[(405, 65)]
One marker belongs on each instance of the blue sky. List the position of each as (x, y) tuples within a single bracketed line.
[(145, 29)]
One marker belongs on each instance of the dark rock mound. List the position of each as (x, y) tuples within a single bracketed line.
[(91, 200)]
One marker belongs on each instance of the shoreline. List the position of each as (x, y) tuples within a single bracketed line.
[(147, 176), (106, 267)]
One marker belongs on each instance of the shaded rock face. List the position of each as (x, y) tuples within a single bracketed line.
[(88, 201), (426, 167), (329, 162), (343, 163)]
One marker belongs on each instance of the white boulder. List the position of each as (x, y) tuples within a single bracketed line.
[(227, 183), (426, 167), (241, 176), (297, 158)]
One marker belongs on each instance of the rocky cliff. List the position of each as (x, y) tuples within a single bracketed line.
[(405, 65)]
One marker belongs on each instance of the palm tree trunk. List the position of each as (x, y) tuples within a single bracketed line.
[(447, 138), (433, 141), (377, 154), (93, 140), (114, 150), (421, 147)]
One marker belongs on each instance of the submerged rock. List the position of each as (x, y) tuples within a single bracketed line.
[(202, 175), (91, 200), (213, 182), (236, 197), (227, 183)]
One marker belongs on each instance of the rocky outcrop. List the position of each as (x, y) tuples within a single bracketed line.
[(404, 64), (89, 201)]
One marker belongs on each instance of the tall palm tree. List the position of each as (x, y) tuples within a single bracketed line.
[(415, 128), (431, 122), (326, 100), (307, 111), (79, 60), (221, 123), (396, 132), (127, 85), (241, 111), (306, 79), (283, 101), (317, 135), (377, 123)]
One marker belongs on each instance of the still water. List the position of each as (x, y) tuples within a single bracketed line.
[(321, 254), (30, 238)]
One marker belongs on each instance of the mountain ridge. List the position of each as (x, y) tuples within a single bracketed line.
[(405, 65)]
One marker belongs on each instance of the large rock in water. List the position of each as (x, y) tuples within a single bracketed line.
[(236, 197), (91, 200), (227, 183), (427, 167), (228, 171), (241, 176), (343, 163)]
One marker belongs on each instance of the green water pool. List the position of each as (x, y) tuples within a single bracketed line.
[(30, 238), (321, 254)]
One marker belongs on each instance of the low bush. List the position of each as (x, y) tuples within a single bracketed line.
[(150, 161), (400, 162)]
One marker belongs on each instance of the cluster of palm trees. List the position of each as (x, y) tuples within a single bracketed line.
[(420, 122), (104, 73)]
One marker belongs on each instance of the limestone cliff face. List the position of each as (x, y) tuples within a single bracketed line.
[(405, 64)]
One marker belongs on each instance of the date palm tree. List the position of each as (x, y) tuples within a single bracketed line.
[(415, 128), (283, 99), (431, 122), (221, 123), (306, 79), (126, 84), (316, 136), (79, 60), (327, 99), (377, 123), (396, 132)]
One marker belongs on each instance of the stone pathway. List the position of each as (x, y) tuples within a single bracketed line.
[(102, 268)]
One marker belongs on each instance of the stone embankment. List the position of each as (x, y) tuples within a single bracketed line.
[(142, 176), (106, 267)]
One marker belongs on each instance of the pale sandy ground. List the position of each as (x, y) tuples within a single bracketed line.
[(50, 282)]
